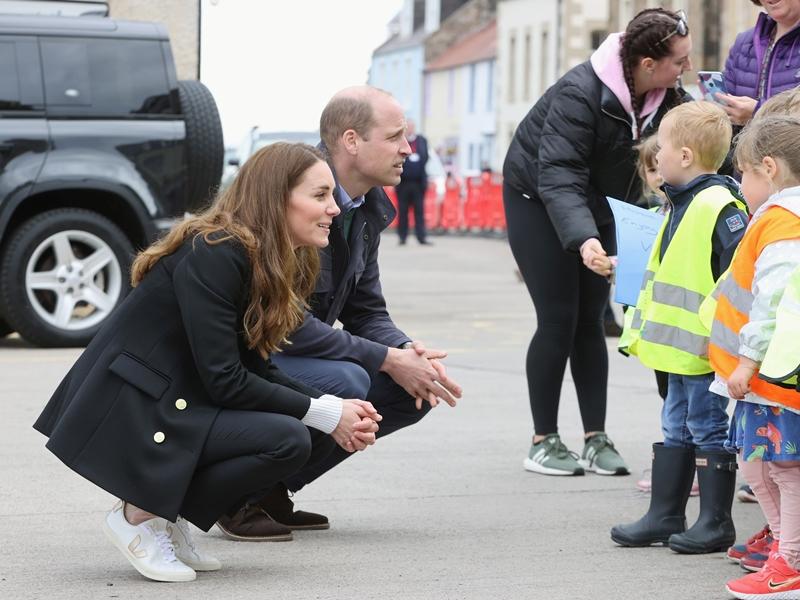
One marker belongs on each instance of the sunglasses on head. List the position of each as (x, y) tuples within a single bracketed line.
[(681, 27)]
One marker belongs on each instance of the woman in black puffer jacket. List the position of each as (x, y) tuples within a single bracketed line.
[(574, 148)]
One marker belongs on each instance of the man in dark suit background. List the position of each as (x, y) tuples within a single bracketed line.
[(363, 133), (412, 186)]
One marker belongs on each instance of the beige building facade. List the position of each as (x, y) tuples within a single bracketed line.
[(444, 97), (539, 40), (528, 56), (182, 19), (714, 24)]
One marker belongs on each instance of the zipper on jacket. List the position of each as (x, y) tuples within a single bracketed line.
[(635, 175), (671, 215), (617, 117)]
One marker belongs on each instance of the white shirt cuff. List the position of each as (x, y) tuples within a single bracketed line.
[(324, 413)]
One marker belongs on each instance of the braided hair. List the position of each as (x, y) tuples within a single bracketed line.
[(643, 38)]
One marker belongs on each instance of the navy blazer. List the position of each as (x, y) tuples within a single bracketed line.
[(133, 413), (349, 290)]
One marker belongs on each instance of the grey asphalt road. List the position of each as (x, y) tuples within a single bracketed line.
[(443, 510)]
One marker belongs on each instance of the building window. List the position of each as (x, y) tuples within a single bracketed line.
[(526, 72), (451, 91), (712, 31), (597, 37), (512, 66), (545, 60), (407, 88), (472, 84), (426, 95), (490, 86)]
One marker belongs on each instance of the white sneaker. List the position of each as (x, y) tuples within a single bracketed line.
[(185, 549), (147, 546)]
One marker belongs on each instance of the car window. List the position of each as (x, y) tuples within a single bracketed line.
[(9, 80), (20, 78), (100, 77)]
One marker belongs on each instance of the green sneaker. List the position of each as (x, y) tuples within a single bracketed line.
[(600, 456), (551, 457)]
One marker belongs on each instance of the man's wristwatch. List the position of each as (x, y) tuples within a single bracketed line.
[(406, 345)]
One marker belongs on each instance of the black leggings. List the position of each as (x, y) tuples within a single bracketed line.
[(569, 300)]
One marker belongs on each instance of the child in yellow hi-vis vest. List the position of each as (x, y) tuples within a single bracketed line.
[(765, 429), (705, 222), (654, 199)]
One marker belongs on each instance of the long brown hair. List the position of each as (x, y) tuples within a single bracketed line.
[(252, 211), (644, 38)]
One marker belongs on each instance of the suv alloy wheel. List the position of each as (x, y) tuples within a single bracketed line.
[(65, 271)]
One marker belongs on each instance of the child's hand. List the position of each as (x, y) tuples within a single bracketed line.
[(739, 381)]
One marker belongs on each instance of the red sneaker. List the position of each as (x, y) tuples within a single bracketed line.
[(758, 543), (776, 580), (754, 561)]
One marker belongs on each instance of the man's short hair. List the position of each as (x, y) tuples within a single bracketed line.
[(351, 108), (703, 127)]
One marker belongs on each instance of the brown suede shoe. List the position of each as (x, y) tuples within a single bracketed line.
[(278, 506), (251, 524)]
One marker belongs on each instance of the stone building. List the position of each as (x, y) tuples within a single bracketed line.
[(182, 19)]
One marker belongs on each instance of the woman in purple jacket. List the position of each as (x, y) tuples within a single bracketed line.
[(764, 60)]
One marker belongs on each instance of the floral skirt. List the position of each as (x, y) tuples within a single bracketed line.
[(761, 432)]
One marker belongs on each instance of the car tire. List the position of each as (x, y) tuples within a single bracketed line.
[(5, 329), (205, 149), (62, 273)]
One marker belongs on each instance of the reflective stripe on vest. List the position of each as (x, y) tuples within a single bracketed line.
[(667, 333), (740, 298), (724, 337), (632, 322), (675, 295)]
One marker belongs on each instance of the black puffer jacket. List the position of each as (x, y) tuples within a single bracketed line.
[(574, 148)]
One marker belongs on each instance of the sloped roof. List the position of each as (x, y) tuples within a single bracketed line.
[(475, 47), (396, 42)]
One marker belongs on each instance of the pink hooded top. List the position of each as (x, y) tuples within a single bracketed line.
[(607, 64)]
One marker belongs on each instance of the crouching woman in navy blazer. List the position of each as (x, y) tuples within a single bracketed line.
[(173, 407)]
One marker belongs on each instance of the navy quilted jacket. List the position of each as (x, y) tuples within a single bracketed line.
[(743, 67)]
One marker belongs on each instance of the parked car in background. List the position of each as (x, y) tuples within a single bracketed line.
[(256, 139), (101, 149)]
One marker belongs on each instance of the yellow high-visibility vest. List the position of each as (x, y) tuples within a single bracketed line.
[(665, 330), (781, 363)]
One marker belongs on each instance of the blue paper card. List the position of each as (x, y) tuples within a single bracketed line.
[(636, 232)]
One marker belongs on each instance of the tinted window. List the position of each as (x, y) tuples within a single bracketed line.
[(104, 77), (20, 76), (9, 80)]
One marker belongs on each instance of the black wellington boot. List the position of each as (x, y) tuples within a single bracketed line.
[(673, 474), (713, 531)]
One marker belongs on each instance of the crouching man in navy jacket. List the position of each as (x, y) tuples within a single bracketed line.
[(363, 133)]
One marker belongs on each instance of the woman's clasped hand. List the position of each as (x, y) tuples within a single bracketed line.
[(357, 426)]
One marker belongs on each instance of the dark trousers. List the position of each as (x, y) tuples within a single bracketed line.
[(411, 193), (570, 301), (346, 380), (245, 455)]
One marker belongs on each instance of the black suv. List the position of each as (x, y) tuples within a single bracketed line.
[(101, 148)]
